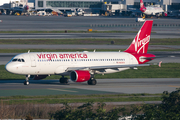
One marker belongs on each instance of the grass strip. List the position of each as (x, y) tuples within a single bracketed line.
[(88, 41), (69, 96), (168, 70), (56, 101)]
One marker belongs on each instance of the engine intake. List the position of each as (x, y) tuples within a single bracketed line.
[(80, 76)]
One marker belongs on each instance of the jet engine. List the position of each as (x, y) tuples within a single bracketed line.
[(80, 75), (37, 77)]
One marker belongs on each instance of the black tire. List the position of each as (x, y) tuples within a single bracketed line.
[(26, 83), (61, 80), (93, 82), (65, 80), (89, 82)]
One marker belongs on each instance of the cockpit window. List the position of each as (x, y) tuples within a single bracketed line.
[(18, 60), (14, 60)]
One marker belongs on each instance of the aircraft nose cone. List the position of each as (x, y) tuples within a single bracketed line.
[(9, 68)]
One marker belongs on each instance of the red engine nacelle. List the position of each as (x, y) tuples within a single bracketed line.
[(80, 76), (37, 77)]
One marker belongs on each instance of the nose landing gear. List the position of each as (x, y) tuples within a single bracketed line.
[(26, 82)]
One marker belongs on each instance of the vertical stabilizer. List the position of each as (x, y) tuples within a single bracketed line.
[(142, 8), (141, 4), (141, 41)]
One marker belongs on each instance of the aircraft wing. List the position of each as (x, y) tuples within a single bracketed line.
[(105, 67)]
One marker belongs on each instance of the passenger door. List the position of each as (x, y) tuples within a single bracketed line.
[(33, 61)]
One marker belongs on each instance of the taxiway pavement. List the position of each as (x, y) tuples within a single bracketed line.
[(50, 23), (103, 86), (83, 35)]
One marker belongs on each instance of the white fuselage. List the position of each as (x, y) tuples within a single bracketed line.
[(153, 10), (46, 63)]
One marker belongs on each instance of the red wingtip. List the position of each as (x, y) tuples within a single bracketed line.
[(141, 41)]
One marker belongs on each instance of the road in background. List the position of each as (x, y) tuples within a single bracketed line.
[(50, 23), (83, 35)]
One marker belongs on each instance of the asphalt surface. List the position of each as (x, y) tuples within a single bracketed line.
[(49, 23), (103, 86), (118, 47), (83, 35)]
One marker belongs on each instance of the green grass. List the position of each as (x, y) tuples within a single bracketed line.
[(168, 70), (56, 101), (88, 41), (69, 96)]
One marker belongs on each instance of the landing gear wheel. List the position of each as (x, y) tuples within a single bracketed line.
[(89, 82), (92, 82), (63, 80), (66, 80), (26, 83)]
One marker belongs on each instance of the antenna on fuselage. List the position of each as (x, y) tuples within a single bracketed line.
[(94, 50), (28, 51)]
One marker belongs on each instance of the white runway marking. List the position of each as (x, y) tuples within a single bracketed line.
[(61, 90)]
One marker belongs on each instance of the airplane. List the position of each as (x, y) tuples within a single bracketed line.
[(151, 10), (20, 9), (82, 66)]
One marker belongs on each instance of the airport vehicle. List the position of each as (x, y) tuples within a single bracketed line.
[(151, 10), (140, 20), (20, 9), (82, 66)]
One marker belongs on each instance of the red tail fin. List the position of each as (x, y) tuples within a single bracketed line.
[(141, 4), (141, 41), (142, 8)]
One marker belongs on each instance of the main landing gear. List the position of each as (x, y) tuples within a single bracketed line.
[(92, 81), (63, 80), (26, 82)]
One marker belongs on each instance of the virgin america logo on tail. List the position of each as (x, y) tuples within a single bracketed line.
[(140, 44)]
